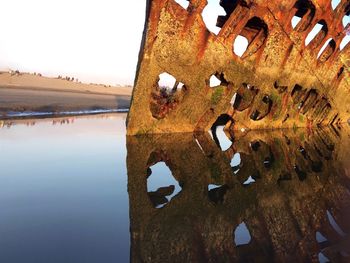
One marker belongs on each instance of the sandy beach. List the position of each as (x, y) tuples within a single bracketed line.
[(32, 93)]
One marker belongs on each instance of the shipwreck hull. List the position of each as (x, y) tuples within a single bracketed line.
[(279, 82)]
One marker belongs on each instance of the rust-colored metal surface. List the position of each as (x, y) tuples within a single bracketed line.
[(281, 80)]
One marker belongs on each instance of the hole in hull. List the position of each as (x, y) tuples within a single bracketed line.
[(335, 3), (229, 6), (344, 42), (295, 21), (183, 3), (240, 45), (218, 133), (346, 20), (242, 235), (217, 79), (210, 15), (161, 185), (304, 13), (167, 94), (327, 50), (334, 225), (169, 82), (217, 193), (236, 163), (214, 81), (317, 34), (249, 181), (255, 32), (244, 97)]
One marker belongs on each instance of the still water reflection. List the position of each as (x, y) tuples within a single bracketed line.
[(78, 190), (63, 191), (280, 196)]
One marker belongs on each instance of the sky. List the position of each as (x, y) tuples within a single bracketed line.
[(95, 41)]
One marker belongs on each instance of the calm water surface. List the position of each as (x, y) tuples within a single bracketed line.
[(63, 191), (78, 190)]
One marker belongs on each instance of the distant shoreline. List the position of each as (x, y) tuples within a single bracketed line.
[(11, 115), (56, 89), (23, 95), (66, 119)]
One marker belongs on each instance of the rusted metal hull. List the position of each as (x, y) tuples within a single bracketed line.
[(279, 82)]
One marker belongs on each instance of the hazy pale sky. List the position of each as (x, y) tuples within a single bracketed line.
[(95, 40)]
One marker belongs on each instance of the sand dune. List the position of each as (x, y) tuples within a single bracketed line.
[(23, 93), (35, 82)]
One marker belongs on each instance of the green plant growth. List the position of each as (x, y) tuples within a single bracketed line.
[(217, 95)]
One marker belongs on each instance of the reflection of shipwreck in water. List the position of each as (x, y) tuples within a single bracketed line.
[(286, 77), (289, 189)]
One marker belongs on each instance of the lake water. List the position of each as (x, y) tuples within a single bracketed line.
[(76, 189)]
